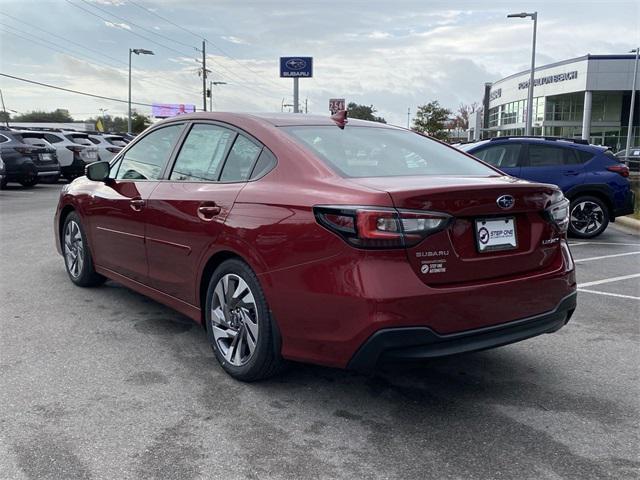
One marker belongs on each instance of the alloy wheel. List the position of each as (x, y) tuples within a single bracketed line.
[(73, 249), (586, 217), (234, 319)]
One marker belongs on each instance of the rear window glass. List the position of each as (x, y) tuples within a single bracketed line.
[(118, 142), (384, 152), (80, 139)]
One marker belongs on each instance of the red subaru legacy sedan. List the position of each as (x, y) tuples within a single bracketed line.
[(317, 239)]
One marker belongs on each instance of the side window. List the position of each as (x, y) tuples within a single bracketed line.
[(52, 138), (202, 153), (144, 161), (240, 161), (266, 162), (549, 156), (505, 155), (584, 156)]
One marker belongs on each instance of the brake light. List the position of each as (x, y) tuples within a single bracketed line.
[(558, 211), (75, 148), (114, 149), (619, 169), (372, 227), (23, 150)]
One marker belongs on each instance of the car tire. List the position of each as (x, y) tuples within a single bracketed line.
[(241, 329), (30, 178), (589, 217), (77, 256), (3, 183)]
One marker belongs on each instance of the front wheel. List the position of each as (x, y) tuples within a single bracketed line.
[(240, 328), (589, 217), (77, 256)]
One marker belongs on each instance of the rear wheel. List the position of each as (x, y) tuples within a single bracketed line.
[(239, 324), (77, 257), (589, 217), (30, 177)]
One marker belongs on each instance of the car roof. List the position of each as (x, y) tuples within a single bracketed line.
[(275, 119), (567, 142)]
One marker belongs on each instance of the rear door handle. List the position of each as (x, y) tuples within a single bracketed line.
[(136, 204), (572, 172), (208, 210)]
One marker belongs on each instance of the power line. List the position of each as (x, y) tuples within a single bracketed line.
[(257, 74), (128, 30), (65, 51), (77, 92), (136, 25)]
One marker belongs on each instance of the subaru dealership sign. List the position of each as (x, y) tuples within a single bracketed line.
[(294, 67)]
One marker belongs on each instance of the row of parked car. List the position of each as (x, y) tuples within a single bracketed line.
[(28, 156)]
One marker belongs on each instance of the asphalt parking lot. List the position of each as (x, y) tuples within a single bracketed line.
[(104, 383)]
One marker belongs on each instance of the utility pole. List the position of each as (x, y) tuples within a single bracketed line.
[(211, 85), (4, 110), (204, 77), (306, 104)]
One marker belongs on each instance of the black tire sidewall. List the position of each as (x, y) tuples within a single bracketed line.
[(265, 345), (605, 217)]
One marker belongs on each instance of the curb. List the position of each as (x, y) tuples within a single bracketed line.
[(629, 222)]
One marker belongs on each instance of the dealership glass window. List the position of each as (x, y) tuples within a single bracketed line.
[(606, 106), (145, 159), (201, 154), (565, 108), (493, 116)]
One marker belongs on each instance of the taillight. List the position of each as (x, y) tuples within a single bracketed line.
[(619, 169), (113, 149), (23, 150), (373, 227), (75, 148), (558, 211)]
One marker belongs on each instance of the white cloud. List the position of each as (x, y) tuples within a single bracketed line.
[(117, 25), (236, 40)]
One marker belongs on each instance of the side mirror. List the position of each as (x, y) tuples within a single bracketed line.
[(97, 171)]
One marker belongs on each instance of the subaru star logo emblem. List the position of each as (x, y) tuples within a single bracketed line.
[(506, 202), (296, 64)]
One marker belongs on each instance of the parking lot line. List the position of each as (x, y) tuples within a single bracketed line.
[(591, 259), (608, 280), (608, 294), (577, 244)]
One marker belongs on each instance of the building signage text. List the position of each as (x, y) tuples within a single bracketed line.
[(559, 77), (495, 94)]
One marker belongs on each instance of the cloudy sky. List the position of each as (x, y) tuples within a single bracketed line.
[(395, 55)]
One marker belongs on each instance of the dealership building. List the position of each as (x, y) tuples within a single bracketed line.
[(586, 97)]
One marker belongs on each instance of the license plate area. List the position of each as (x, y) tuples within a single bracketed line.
[(45, 157), (493, 234)]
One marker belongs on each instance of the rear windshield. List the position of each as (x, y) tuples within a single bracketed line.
[(80, 139), (117, 141), (384, 152)]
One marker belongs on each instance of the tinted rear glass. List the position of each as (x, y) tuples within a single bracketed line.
[(384, 152)]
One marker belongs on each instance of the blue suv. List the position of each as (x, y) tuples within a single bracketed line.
[(591, 176)]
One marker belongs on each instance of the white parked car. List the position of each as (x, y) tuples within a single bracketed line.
[(74, 150), (108, 145)]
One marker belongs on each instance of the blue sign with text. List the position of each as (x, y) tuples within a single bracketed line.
[(296, 67)]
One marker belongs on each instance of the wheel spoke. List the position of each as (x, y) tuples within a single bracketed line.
[(220, 295)]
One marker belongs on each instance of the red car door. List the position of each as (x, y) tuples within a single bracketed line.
[(116, 211), (186, 213)]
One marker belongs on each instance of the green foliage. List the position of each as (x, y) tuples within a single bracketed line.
[(430, 119), (59, 115), (363, 112), (139, 122)]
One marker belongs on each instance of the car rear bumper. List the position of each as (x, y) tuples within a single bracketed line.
[(418, 343), (628, 206)]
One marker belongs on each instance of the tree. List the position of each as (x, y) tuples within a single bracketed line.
[(430, 119), (59, 115), (139, 122), (461, 119), (363, 112), (4, 117)]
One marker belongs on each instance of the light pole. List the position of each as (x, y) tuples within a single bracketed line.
[(137, 51), (633, 102), (211, 84), (102, 112), (528, 130)]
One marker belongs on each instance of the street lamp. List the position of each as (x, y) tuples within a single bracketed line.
[(137, 51), (211, 84), (528, 121), (633, 102)]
